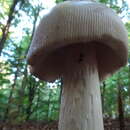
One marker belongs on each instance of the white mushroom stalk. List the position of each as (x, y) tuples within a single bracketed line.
[(81, 101), (81, 41)]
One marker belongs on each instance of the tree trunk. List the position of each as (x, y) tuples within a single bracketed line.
[(103, 96), (120, 108), (6, 115), (22, 90), (23, 85), (129, 82), (32, 89), (81, 100), (5, 29), (61, 87), (48, 103), (37, 105)]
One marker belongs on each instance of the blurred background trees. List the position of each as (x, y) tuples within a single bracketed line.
[(24, 97)]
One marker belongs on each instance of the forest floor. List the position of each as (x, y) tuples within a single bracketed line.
[(110, 124)]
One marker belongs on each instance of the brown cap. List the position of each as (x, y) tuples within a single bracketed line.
[(78, 22)]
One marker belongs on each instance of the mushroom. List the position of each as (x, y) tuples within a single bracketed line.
[(81, 42)]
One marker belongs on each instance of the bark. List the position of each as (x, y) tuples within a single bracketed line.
[(22, 90), (61, 87), (32, 89), (48, 103), (24, 81), (81, 100), (31, 95), (6, 115), (103, 96), (129, 82), (36, 12), (37, 105), (5, 29), (120, 108)]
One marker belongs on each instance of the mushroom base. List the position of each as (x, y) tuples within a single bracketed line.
[(81, 100)]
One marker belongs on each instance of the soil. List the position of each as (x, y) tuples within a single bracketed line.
[(109, 124)]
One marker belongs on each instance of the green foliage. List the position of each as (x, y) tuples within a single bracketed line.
[(22, 96), (58, 1)]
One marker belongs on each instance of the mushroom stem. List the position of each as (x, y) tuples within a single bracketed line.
[(81, 100)]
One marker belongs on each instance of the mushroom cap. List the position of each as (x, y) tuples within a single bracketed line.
[(78, 24)]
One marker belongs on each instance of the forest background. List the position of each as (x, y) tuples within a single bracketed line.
[(24, 97)]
